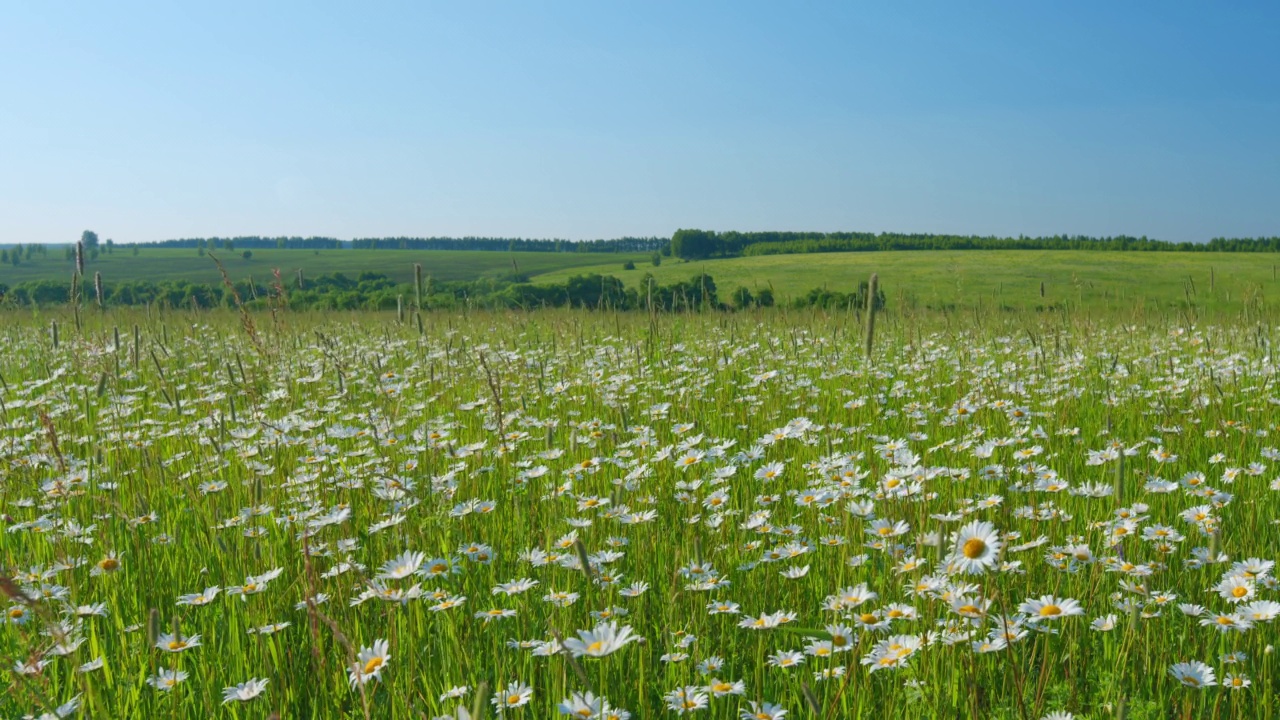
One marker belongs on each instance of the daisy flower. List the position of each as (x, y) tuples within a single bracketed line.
[(582, 705), (403, 566), (602, 640), (1048, 607), (369, 663), (975, 548), (166, 680), (514, 695), (1231, 681), (176, 643), (1194, 674), (762, 711), (245, 691), (686, 699)]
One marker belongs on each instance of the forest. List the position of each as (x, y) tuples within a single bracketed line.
[(691, 244), (375, 291)]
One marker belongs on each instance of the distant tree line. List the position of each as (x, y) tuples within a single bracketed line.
[(689, 244), (494, 244), (702, 244), (375, 291), (18, 254)]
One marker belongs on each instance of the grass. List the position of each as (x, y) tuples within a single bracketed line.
[(986, 278), (156, 264), (216, 447), (971, 279)]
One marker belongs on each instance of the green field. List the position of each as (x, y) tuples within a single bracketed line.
[(157, 264), (344, 516), (984, 277)]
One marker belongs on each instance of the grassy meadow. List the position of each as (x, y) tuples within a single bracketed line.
[(158, 264), (983, 280), (598, 515), (987, 278)]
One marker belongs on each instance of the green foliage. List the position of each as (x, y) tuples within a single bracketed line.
[(836, 300), (152, 263), (480, 244), (376, 291), (700, 244), (696, 244)]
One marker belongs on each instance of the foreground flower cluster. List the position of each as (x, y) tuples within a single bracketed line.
[(730, 520)]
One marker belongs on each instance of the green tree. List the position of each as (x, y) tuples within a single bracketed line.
[(90, 239), (694, 244)]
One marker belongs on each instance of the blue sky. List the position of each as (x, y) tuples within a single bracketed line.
[(602, 119)]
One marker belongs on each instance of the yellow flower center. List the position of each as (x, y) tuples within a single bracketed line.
[(974, 548), (372, 665), (1239, 591), (1050, 611)]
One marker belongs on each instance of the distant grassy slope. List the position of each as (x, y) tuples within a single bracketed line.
[(158, 264), (931, 278), (1011, 277)]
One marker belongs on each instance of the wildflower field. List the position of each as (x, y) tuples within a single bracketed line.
[(615, 516)]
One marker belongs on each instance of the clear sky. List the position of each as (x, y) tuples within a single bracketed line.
[(602, 118)]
